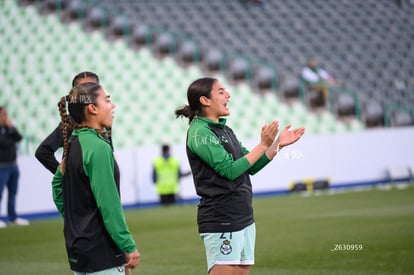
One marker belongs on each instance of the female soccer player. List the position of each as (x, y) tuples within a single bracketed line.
[(221, 166), (86, 187)]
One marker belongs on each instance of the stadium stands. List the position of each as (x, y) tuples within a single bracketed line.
[(259, 45), (366, 44)]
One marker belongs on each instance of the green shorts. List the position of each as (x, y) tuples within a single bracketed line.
[(230, 248)]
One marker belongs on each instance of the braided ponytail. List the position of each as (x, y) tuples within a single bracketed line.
[(65, 125)]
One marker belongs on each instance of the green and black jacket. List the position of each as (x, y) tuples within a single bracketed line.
[(221, 175), (87, 196)]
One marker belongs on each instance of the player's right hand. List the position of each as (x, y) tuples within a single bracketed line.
[(132, 259), (269, 133)]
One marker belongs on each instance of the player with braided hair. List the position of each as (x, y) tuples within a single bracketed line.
[(86, 186)]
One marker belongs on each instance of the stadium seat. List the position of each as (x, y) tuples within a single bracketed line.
[(97, 18), (400, 118), (373, 114), (289, 88), (140, 36), (27, 2), (118, 27), (314, 99), (49, 6), (212, 60), (264, 79), (238, 69), (344, 104), (187, 53), (164, 44), (74, 10)]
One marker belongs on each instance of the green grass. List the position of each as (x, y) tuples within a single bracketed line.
[(295, 235)]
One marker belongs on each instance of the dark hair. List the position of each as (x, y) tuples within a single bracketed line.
[(165, 148), (82, 75), (79, 97), (200, 87)]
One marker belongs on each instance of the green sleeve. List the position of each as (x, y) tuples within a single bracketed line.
[(57, 191), (259, 164), (99, 167), (204, 143)]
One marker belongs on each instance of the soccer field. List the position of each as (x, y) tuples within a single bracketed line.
[(351, 232)]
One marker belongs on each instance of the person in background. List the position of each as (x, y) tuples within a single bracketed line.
[(45, 152), (166, 175), (221, 168), (317, 78), (86, 187), (9, 171)]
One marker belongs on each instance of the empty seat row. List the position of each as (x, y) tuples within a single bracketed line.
[(145, 88)]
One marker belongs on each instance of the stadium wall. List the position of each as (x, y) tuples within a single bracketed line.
[(347, 159)]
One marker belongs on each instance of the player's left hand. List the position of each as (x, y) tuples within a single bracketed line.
[(288, 136)]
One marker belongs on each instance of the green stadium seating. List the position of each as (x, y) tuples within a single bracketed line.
[(41, 55)]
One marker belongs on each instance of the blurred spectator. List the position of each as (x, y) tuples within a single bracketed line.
[(9, 171), (166, 175), (317, 78)]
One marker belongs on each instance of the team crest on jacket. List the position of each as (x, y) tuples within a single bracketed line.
[(225, 247), (224, 139)]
